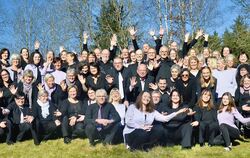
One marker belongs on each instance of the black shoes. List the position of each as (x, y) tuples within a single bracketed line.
[(67, 140)]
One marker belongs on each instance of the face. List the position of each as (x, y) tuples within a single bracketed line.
[(25, 54), (226, 51), (91, 58), (156, 97), (100, 98), (72, 93), (164, 52), (173, 55), (243, 58), (91, 94), (146, 98), (84, 55), (174, 73), (118, 64), (15, 62), (185, 76), (5, 55), (50, 56), (243, 71), (185, 61), (225, 100), (69, 58), (43, 98), (27, 79), (193, 64), (142, 70), (220, 65), (20, 101), (133, 57), (63, 56), (216, 54), (206, 53), (206, 97), (58, 65), (97, 53), (206, 73), (50, 82), (174, 46), (71, 77), (151, 54), (125, 53), (139, 55), (230, 62), (93, 70), (192, 52), (116, 96), (175, 98), (145, 48), (162, 84), (105, 55), (246, 83), (37, 58), (5, 76)]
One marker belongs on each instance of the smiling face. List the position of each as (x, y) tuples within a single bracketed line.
[(175, 97), (246, 83), (146, 98), (174, 73), (206, 96), (36, 58), (156, 97), (225, 100), (71, 77), (5, 76), (5, 55), (72, 93), (43, 98), (185, 76), (50, 82), (142, 70), (206, 73), (25, 54)]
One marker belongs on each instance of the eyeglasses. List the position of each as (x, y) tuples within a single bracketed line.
[(185, 75)]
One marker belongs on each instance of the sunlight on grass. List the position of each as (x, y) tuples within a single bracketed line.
[(80, 148)]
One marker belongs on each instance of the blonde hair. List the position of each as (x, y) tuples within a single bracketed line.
[(114, 90)]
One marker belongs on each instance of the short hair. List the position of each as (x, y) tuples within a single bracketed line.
[(3, 50), (47, 76), (177, 67), (19, 94), (28, 73), (71, 71), (72, 86), (15, 57), (42, 92), (101, 91)]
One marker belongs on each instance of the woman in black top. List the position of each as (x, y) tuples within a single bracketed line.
[(73, 111), (4, 57), (24, 54), (206, 118)]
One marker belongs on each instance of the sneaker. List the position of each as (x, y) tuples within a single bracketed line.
[(228, 148)]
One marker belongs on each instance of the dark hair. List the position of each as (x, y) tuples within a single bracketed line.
[(243, 53), (171, 94), (138, 103), (31, 61), (210, 103), (1, 79), (73, 55), (93, 54), (231, 104), (96, 66), (3, 50), (230, 51), (57, 59), (19, 94), (246, 66), (161, 78)]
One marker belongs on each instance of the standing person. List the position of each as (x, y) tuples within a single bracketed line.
[(206, 118), (102, 120), (24, 55), (139, 133), (227, 114), (15, 69)]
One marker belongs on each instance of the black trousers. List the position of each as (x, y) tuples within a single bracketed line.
[(106, 134), (69, 131), (118, 137), (228, 134), (23, 129), (181, 134), (208, 130), (140, 139), (7, 130), (46, 129)]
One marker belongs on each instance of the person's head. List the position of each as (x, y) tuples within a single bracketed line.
[(175, 71), (4, 54), (175, 97), (28, 76), (216, 54), (50, 55), (243, 58), (173, 55), (83, 68), (192, 52), (221, 64), (36, 58), (24, 52), (139, 55), (132, 56), (43, 96), (185, 75), (5, 76), (71, 75), (97, 53), (84, 55), (91, 94), (156, 97), (124, 53), (245, 81), (72, 92), (19, 99), (193, 63), (206, 77), (142, 70), (230, 61), (151, 54), (105, 55), (91, 57), (164, 52), (118, 65), (225, 51), (101, 96), (227, 101), (185, 61), (145, 48), (49, 80), (206, 99), (144, 102), (94, 69), (212, 63), (15, 60), (114, 95), (70, 58), (63, 55), (162, 84), (57, 62), (201, 60), (206, 52), (174, 45)]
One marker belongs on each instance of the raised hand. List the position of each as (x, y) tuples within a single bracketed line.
[(113, 40), (132, 31), (156, 64), (153, 86), (81, 79), (186, 37), (1, 93), (85, 35), (63, 85), (152, 33), (37, 44), (206, 36), (133, 81), (61, 48), (199, 33), (39, 87), (13, 89)]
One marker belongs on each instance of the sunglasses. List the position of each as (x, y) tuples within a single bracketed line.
[(184, 75)]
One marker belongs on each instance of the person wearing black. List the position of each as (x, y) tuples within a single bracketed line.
[(242, 70), (22, 118), (15, 69), (73, 113), (175, 72), (206, 118), (187, 88), (178, 129), (46, 116), (102, 120), (5, 127), (24, 54), (4, 57), (138, 83)]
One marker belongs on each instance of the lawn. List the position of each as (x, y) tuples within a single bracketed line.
[(80, 148)]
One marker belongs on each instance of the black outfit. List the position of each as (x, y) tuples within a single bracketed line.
[(186, 46), (57, 96), (209, 87), (97, 131), (164, 69), (23, 127), (7, 130), (81, 95), (100, 84), (208, 124)]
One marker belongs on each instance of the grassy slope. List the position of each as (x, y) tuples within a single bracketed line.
[(80, 148)]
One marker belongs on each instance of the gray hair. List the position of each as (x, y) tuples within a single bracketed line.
[(15, 57), (101, 92), (71, 71), (47, 76), (177, 67)]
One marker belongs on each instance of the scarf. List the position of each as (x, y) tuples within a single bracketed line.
[(27, 89), (68, 83), (49, 90), (44, 108)]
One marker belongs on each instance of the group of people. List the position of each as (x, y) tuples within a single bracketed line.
[(141, 97)]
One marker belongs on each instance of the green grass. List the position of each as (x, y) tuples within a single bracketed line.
[(80, 148)]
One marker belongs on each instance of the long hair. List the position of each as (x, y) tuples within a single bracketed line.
[(149, 106), (1, 80), (171, 94), (200, 102), (112, 93), (211, 78), (231, 104)]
